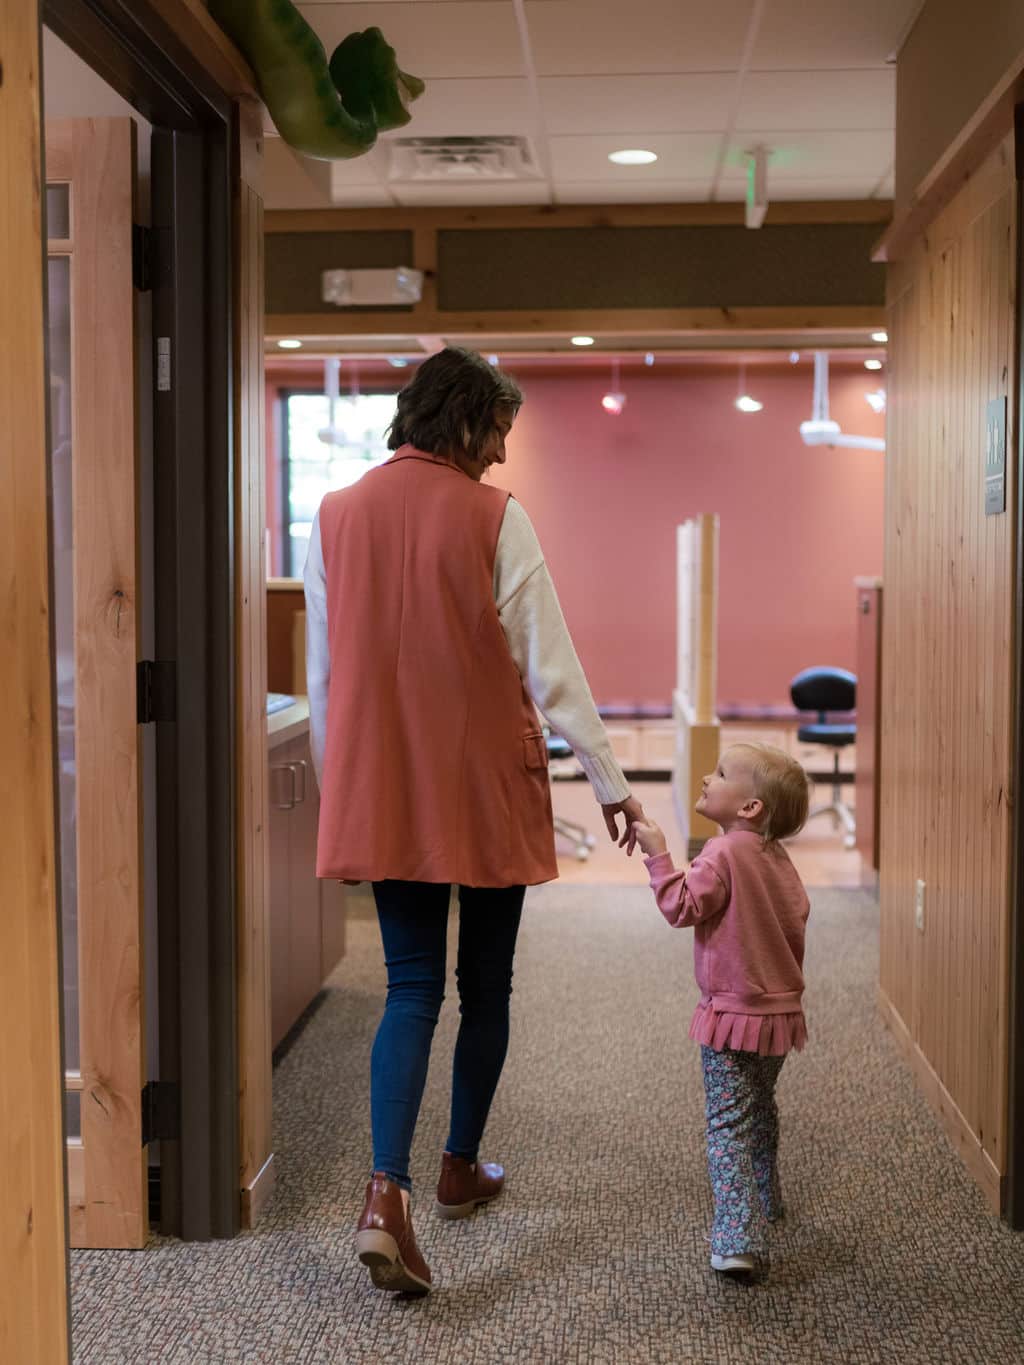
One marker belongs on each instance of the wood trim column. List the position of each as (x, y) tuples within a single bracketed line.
[(33, 1245), (256, 1159)]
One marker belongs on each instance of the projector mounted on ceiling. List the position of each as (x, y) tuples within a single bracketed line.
[(461, 159)]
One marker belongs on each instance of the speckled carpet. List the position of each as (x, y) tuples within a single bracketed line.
[(597, 1250)]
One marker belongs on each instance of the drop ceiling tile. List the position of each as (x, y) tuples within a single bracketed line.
[(368, 169), (660, 192), (608, 37), (437, 194), (808, 155), (468, 108), (796, 34), (681, 156), (291, 181), (625, 104), (733, 191), (818, 99), (470, 38)]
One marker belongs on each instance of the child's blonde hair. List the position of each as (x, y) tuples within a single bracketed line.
[(780, 783)]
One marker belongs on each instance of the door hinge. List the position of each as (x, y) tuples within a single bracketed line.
[(143, 257), (155, 691), (161, 1111)]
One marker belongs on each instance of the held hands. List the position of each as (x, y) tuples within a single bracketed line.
[(648, 835), (631, 809)]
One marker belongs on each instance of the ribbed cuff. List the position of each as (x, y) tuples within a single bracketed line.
[(605, 776), (659, 866)]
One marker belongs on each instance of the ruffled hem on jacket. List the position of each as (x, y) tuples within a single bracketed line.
[(769, 1035)]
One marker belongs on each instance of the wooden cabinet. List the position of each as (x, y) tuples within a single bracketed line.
[(307, 935)]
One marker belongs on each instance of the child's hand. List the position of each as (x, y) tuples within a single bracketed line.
[(649, 836)]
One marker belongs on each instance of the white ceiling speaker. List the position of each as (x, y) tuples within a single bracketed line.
[(359, 288), (457, 160), (821, 430)]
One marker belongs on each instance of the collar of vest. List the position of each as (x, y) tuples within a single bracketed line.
[(411, 453)]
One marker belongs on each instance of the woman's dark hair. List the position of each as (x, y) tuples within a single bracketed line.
[(449, 403)]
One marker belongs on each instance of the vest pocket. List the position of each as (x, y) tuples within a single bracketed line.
[(535, 750)]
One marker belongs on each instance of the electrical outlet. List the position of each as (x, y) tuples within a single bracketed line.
[(919, 905)]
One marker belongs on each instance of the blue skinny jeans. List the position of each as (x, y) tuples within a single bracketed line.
[(413, 920)]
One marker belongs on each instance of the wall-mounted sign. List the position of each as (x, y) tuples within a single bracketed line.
[(995, 457)]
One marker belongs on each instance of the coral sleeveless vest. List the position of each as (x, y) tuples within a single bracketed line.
[(435, 768)]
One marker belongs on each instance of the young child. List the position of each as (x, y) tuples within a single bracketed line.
[(748, 907)]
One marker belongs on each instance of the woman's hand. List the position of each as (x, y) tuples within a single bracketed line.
[(649, 836), (631, 809)]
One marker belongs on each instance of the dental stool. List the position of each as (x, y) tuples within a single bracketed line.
[(827, 690), (558, 752)]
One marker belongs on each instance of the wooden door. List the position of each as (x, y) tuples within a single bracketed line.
[(90, 180)]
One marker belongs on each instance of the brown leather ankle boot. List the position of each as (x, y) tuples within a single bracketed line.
[(465, 1184), (386, 1243)]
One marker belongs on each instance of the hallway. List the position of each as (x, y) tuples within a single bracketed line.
[(597, 1251)]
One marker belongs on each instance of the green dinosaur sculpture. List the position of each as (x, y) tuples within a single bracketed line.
[(328, 112)]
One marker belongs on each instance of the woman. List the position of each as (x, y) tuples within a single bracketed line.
[(432, 628)]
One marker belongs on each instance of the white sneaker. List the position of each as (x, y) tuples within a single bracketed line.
[(740, 1264)]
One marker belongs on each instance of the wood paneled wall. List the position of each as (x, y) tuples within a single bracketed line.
[(948, 650), (256, 1160), (33, 1233)]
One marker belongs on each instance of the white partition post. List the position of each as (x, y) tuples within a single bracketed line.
[(694, 704)]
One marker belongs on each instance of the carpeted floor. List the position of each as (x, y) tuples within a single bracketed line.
[(597, 1251)]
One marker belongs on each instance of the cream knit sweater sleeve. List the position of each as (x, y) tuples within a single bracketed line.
[(538, 640), (542, 648)]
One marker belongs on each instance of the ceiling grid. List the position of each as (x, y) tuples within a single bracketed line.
[(695, 81)]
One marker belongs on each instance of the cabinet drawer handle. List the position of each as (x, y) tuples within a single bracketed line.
[(290, 770), (298, 767)]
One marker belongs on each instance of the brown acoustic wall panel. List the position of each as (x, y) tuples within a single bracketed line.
[(657, 267), (296, 260)]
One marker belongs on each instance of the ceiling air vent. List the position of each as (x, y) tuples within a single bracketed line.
[(461, 159)]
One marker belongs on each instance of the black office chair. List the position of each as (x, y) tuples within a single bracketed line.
[(826, 690), (559, 750)]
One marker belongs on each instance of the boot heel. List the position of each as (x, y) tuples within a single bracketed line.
[(376, 1249)]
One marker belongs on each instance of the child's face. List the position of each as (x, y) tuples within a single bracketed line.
[(728, 793)]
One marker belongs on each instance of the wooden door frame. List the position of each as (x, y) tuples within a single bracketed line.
[(33, 1224), (1013, 1184), (135, 47)]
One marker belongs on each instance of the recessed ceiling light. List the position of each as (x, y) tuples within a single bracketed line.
[(289, 344), (632, 156), (881, 337), (872, 364), (582, 341), (747, 404)]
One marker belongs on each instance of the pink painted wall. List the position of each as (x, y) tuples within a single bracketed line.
[(606, 494), (798, 523)]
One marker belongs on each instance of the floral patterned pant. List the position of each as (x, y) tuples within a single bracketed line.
[(743, 1141)]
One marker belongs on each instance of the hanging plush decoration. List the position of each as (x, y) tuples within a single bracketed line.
[(325, 110)]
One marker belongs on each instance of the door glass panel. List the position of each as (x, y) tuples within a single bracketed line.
[(59, 303), (58, 212)]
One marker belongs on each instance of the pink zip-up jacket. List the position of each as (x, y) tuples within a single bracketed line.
[(748, 909)]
